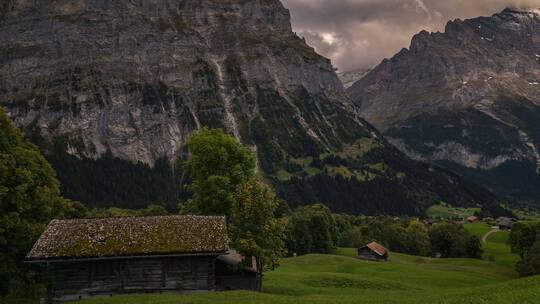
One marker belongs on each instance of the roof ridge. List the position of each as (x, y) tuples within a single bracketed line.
[(137, 217)]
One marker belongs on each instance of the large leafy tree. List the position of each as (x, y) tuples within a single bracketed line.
[(223, 182), (312, 229), (523, 236), (450, 241), (254, 229), (218, 165), (525, 241), (29, 199), (417, 240), (530, 264)]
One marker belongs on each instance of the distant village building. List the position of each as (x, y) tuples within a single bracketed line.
[(90, 257), (373, 252), (473, 219), (505, 223)]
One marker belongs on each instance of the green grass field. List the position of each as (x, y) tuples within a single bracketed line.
[(495, 248), (478, 229), (342, 278), (445, 212)]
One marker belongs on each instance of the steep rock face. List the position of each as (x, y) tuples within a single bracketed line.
[(348, 78), (136, 77), (467, 99), (133, 79)]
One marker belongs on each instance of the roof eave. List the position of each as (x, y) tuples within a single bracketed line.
[(127, 257)]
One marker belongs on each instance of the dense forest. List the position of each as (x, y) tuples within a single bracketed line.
[(109, 181)]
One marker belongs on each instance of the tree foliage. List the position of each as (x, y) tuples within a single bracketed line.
[(417, 239), (525, 240), (522, 237), (223, 182), (254, 229), (452, 241), (151, 210), (109, 181), (218, 165), (530, 264), (407, 235), (312, 229), (29, 199)]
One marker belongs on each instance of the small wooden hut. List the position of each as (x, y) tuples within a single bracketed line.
[(473, 219), (234, 272), (505, 223), (373, 252), (130, 255)]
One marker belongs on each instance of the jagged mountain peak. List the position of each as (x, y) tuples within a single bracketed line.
[(91, 80), (466, 99)]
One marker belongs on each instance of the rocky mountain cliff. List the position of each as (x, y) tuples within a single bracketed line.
[(467, 99), (109, 89), (348, 78)]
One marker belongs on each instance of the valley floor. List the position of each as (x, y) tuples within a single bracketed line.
[(342, 278)]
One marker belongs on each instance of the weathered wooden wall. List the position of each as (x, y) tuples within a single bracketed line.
[(367, 254), (74, 280)]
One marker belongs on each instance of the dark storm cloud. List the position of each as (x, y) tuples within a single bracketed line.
[(360, 33)]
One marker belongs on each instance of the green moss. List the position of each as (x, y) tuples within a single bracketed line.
[(131, 236)]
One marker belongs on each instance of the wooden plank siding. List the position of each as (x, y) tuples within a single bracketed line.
[(76, 280), (367, 254)]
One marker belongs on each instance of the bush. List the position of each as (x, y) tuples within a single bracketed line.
[(530, 264)]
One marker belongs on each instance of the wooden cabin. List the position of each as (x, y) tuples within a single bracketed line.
[(473, 219), (236, 272), (505, 223), (92, 257), (373, 252)]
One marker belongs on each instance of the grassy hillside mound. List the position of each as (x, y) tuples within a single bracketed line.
[(494, 244), (342, 278)]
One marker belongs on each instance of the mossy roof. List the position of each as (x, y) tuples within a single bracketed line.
[(131, 236)]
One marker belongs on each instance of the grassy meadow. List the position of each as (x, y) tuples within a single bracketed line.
[(341, 278), (495, 248), (447, 212)]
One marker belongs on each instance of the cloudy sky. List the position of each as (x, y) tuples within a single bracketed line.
[(360, 33)]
